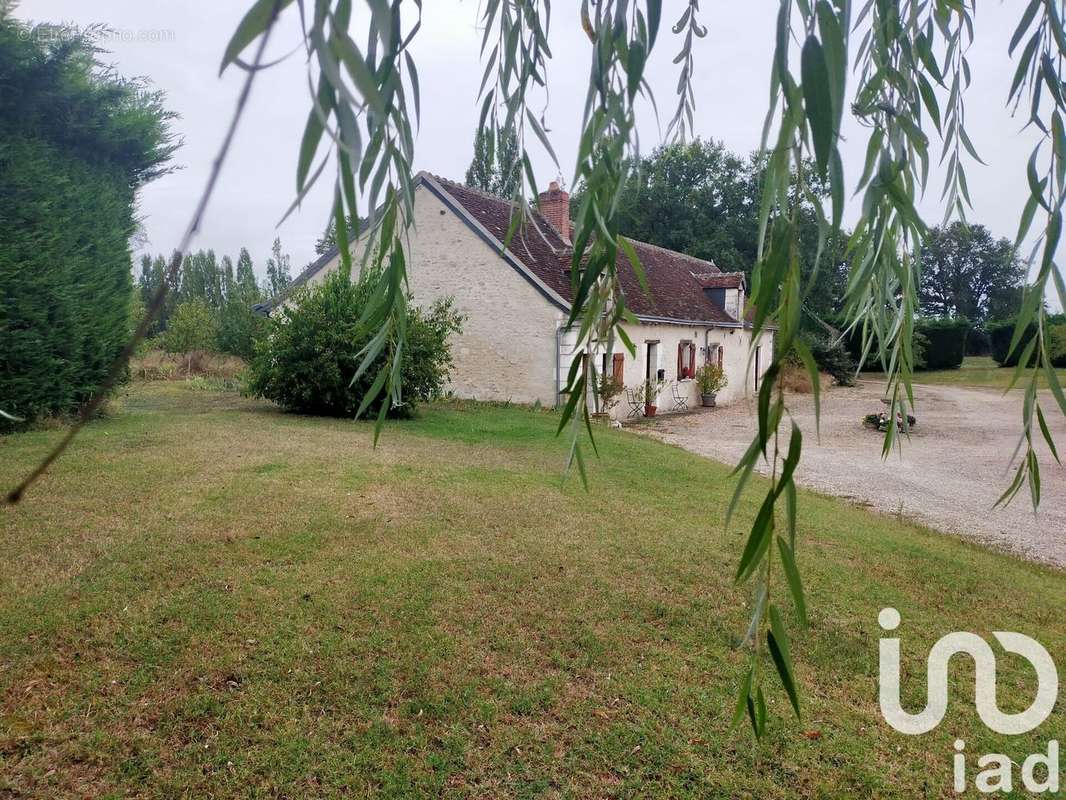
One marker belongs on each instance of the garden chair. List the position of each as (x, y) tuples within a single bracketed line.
[(680, 401), (636, 405)]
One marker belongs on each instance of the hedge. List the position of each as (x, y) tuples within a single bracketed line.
[(939, 343), (76, 142), (65, 269), (1002, 332), (947, 341), (1057, 344), (978, 343)]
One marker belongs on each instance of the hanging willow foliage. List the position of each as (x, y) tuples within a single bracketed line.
[(910, 75)]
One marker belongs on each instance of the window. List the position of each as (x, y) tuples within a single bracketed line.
[(615, 367), (686, 360)]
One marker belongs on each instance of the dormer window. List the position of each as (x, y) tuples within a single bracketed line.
[(716, 296)]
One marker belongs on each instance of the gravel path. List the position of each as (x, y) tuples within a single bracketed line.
[(948, 476)]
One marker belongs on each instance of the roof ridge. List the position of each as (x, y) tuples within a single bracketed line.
[(480, 192), (540, 222), (697, 259)]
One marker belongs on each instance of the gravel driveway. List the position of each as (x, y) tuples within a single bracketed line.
[(948, 476)]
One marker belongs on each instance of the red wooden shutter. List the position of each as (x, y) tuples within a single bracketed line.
[(680, 360), (618, 367)]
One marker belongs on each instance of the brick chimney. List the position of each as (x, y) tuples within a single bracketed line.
[(555, 207)]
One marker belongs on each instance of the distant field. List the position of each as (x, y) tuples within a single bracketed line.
[(208, 598), (975, 371)]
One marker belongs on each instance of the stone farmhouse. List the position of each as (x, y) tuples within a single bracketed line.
[(515, 299)]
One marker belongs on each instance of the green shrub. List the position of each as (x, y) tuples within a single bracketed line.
[(829, 352), (313, 346), (239, 329), (947, 341), (1057, 345), (192, 327), (1002, 332), (852, 342), (833, 358)]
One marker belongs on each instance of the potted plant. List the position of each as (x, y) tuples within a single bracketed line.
[(711, 379), (650, 390), (608, 392)]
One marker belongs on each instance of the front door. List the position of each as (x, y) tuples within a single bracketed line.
[(651, 371)]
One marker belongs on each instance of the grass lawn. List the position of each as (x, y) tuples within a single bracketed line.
[(979, 371), (209, 598)]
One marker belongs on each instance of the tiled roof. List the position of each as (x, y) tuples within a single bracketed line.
[(675, 293), (537, 244), (720, 280), (306, 274)]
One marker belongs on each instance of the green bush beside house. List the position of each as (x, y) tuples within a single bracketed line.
[(314, 346)]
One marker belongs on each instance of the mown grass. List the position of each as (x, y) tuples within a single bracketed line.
[(209, 598), (978, 371)]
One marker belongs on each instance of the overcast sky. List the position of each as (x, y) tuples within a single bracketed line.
[(178, 46)]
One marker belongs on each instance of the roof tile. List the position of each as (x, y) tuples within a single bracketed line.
[(674, 291), (675, 280)]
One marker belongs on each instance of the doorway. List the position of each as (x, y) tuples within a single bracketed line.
[(651, 369)]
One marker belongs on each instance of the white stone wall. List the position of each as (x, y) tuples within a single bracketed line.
[(507, 348), (736, 359), (733, 303)]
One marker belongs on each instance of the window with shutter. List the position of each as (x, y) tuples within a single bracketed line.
[(686, 360)]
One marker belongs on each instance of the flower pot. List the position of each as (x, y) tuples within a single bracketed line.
[(649, 410), (709, 400)]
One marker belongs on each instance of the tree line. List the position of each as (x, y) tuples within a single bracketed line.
[(210, 302), (701, 199)]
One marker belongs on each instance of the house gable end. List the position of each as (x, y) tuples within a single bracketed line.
[(327, 262), (429, 182)]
